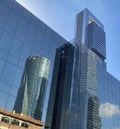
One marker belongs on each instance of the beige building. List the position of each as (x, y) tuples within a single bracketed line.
[(12, 120)]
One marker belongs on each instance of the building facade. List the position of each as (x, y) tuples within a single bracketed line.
[(90, 32), (12, 120), (22, 35), (79, 71), (92, 99), (78, 105)]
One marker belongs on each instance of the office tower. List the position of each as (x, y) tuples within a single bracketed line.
[(60, 93), (89, 98), (93, 102), (90, 31), (77, 104), (31, 94), (22, 35)]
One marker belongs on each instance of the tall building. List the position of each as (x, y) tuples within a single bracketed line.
[(91, 100), (90, 31), (22, 35), (77, 104), (32, 91), (79, 71), (60, 93)]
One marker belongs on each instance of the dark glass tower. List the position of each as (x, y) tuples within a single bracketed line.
[(32, 91), (60, 93)]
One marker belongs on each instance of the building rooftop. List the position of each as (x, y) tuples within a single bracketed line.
[(21, 117)]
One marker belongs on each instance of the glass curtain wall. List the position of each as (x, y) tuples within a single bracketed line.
[(22, 35)]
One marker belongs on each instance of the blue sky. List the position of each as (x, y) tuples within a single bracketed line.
[(60, 15)]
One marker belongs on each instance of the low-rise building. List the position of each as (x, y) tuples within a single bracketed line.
[(12, 120)]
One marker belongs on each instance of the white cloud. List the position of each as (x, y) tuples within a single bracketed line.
[(108, 110)]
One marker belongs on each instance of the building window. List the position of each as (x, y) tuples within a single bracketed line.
[(24, 125), (5, 119), (15, 122)]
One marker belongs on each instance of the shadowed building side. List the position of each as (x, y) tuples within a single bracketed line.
[(60, 93)]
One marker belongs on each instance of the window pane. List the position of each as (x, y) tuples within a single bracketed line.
[(26, 52), (8, 73), (3, 12), (10, 103), (31, 32), (4, 87), (16, 47), (22, 26), (3, 99), (14, 91), (1, 65), (3, 53), (17, 77), (5, 41), (12, 59), (13, 19)]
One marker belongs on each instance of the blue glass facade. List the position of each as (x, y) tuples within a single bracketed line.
[(83, 19), (88, 95), (87, 83), (93, 101), (96, 40), (22, 35), (74, 98), (109, 88), (90, 31), (92, 97)]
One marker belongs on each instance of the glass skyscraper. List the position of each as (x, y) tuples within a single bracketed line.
[(90, 32), (74, 103), (60, 93), (32, 91), (83, 94), (22, 35), (91, 100)]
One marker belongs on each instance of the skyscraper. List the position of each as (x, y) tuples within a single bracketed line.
[(60, 93), (87, 84), (90, 31), (92, 88), (31, 94), (77, 104)]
